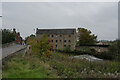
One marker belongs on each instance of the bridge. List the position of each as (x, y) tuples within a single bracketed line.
[(9, 50)]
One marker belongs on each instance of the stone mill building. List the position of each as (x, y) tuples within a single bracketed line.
[(59, 38)]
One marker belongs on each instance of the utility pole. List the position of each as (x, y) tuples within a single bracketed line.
[(0, 21)]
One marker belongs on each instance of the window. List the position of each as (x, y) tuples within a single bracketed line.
[(52, 36), (56, 40), (64, 40), (51, 40), (60, 40), (56, 46), (69, 35), (69, 41), (60, 35)]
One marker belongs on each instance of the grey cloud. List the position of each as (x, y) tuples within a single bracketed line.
[(100, 18)]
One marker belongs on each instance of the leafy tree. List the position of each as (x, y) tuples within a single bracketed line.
[(114, 50), (40, 46), (85, 37), (31, 36), (7, 36), (0, 37)]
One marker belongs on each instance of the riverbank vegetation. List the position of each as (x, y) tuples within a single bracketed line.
[(58, 65), (44, 63), (28, 66), (113, 52)]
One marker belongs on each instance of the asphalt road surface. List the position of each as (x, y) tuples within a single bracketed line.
[(10, 50)]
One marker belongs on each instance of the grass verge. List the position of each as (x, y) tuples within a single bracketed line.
[(76, 68), (58, 66), (26, 67)]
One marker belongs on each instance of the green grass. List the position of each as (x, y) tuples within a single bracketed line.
[(75, 68), (58, 65), (26, 67)]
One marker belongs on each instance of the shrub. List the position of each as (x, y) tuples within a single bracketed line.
[(67, 49), (76, 68), (103, 55), (114, 50), (40, 46)]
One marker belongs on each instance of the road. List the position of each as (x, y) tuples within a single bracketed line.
[(10, 50)]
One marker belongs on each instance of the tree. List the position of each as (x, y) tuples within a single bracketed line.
[(7, 36), (0, 38), (114, 50), (85, 37), (40, 46), (31, 36)]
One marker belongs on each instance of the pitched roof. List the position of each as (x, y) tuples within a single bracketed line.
[(55, 31)]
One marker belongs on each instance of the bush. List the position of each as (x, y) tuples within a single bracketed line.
[(114, 50), (31, 36), (67, 49), (73, 52), (103, 55), (40, 46), (80, 68)]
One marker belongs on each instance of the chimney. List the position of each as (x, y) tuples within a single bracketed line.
[(14, 30)]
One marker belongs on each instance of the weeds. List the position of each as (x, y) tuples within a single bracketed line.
[(75, 68), (58, 65), (26, 67)]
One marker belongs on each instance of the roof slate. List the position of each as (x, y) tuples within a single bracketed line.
[(55, 31)]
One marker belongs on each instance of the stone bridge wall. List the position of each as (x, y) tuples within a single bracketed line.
[(8, 44)]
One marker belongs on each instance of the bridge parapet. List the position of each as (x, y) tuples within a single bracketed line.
[(8, 44)]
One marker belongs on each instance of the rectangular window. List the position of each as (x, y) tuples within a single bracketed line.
[(56, 46), (51, 40), (69, 41), (56, 40), (52, 36), (60, 40), (64, 40), (60, 35), (69, 35)]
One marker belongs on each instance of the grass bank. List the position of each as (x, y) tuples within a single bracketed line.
[(58, 65), (76, 68), (26, 67)]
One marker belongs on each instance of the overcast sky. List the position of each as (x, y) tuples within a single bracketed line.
[(0, 15), (100, 18)]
